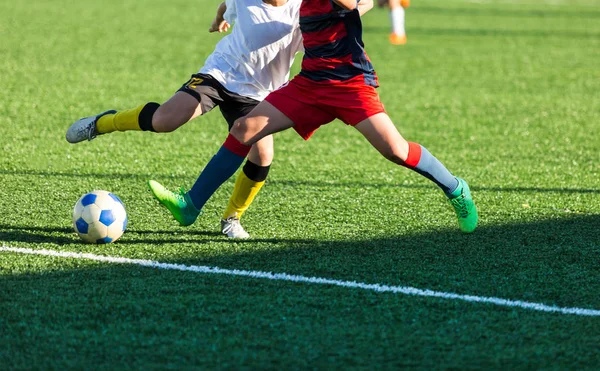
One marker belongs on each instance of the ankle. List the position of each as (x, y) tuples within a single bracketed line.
[(190, 203), (457, 191)]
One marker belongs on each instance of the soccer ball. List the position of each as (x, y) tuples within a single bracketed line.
[(99, 217)]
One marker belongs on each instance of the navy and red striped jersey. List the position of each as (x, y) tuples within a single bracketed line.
[(333, 47)]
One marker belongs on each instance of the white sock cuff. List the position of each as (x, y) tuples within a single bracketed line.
[(397, 16)]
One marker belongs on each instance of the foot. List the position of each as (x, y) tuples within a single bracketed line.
[(85, 128), (464, 206), (405, 3), (232, 228), (179, 204), (396, 39)]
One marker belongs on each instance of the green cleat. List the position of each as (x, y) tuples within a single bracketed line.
[(179, 204), (464, 206)]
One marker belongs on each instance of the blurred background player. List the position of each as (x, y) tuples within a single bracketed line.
[(265, 32), (337, 81), (397, 14)]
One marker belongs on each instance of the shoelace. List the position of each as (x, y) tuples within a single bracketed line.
[(180, 194), (91, 133), (460, 206), (88, 131)]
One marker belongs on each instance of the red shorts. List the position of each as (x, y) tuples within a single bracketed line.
[(310, 104)]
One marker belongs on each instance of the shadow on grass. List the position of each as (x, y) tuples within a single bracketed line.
[(62, 174), (299, 183), (66, 236), (36, 235), (556, 259), (198, 319), (562, 251), (342, 184)]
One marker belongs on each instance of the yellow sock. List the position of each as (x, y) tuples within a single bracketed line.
[(120, 121), (243, 194)]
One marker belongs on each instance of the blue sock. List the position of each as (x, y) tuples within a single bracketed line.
[(220, 168)]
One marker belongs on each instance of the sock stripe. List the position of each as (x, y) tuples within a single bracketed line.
[(414, 155), (256, 172), (236, 146), (146, 114)]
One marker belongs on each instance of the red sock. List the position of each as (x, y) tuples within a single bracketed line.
[(236, 146), (419, 159), (414, 155)]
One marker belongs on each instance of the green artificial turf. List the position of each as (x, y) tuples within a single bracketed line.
[(505, 93)]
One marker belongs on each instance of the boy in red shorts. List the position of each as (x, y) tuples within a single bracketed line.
[(337, 81)]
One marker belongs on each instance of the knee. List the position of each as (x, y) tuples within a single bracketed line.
[(239, 131), (264, 153), (163, 123)]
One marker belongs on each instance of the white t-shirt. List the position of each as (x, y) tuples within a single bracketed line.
[(256, 57)]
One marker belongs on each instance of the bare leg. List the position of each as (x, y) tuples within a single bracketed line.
[(175, 112), (262, 152), (383, 135), (264, 120)]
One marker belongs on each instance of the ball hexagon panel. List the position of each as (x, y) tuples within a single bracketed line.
[(97, 231), (103, 200), (91, 213), (115, 198), (118, 211), (78, 210), (115, 230)]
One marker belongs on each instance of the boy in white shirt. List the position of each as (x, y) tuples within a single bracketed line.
[(245, 67)]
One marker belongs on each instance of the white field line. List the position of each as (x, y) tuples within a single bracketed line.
[(314, 280)]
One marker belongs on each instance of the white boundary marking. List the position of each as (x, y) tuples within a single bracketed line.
[(315, 280)]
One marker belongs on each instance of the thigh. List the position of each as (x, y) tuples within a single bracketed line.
[(265, 119), (380, 131), (175, 112), (297, 101), (353, 103), (199, 95), (236, 106), (205, 89)]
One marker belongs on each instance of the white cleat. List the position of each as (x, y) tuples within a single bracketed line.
[(85, 128), (232, 228)]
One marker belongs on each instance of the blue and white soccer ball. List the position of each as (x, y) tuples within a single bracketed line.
[(99, 217)]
